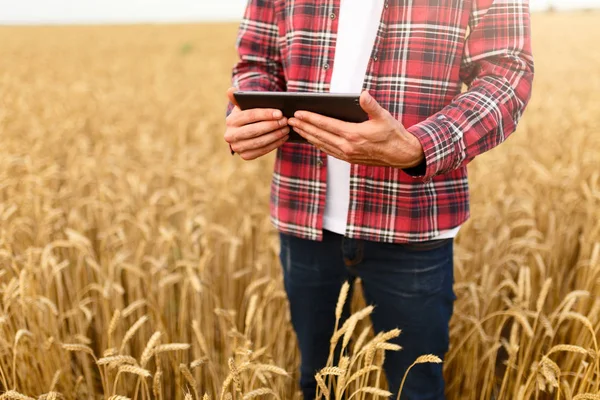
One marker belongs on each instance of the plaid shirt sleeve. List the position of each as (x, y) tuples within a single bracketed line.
[(259, 66), (498, 68)]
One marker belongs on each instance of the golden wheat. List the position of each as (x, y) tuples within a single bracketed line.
[(123, 215)]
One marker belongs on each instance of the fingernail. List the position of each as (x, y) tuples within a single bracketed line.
[(277, 114), (286, 130), (298, 115), (282, 122)]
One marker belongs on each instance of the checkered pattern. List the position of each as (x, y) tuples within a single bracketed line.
[(424, 51)]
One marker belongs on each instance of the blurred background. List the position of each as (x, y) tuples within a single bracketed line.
[(137, 258), (119, 11)]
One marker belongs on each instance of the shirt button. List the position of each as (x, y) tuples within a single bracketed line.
[(375, 58), (326, 66), (319, 162), (387, 5), (332, 15)]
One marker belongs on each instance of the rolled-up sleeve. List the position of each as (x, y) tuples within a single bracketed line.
[(259, 65), (498, 68)]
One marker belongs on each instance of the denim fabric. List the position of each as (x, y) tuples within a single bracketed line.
[(410, 286)]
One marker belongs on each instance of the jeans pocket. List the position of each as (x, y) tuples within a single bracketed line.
[(299, 259), (420, 278), (415, 271)]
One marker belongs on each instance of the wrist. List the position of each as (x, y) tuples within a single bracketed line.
[(408, 152), (417, 155)]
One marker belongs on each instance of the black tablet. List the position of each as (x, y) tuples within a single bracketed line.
[(345, 107)]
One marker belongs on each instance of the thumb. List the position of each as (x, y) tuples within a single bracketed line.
[(231, 97), (371, 106)]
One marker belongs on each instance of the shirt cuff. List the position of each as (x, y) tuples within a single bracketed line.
[(436, 137)]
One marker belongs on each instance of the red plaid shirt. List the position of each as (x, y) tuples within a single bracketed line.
[(424, 51)]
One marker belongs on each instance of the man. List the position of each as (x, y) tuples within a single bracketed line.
[(380, 200)]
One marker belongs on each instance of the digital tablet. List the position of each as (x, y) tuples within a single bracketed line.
[(345, 107)]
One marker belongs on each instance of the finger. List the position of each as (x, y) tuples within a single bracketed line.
[(258, 129), (231, 97), (315, 131), (246, 117), (255, 153), (325, 123), (260, 141), (235, 135), (325, 147), (371, 106)]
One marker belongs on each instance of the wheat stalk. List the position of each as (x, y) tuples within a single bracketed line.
[(133, 307), (112, 326), (373, 391), (189, 378), (269, 368), (322, 386), (55, 380), (427, 358), (132, 369), (147, 353), (131, 331), (339, 308), (171, 347), (197, 363), (156, 384), (260, 392), (76, 347), (235, 375), (14, 395)]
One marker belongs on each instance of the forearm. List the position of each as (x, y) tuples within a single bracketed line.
[(477, 121), (259, 65), (500, 76)]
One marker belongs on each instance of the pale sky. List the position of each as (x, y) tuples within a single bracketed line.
[(123, 11)]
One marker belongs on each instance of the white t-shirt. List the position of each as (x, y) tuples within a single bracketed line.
[(357, 29)]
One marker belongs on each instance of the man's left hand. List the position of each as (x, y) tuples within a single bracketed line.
[(382, 140)]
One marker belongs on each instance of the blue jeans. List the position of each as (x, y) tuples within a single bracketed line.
[(410, 286)]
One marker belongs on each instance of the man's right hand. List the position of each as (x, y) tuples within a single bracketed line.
[(254, 133)]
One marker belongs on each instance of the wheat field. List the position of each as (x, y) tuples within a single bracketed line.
[(138, 260)]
